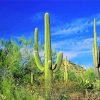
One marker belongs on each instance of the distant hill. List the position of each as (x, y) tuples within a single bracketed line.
[(74, 67)]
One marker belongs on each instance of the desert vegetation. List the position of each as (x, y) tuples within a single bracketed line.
[(26, 75)]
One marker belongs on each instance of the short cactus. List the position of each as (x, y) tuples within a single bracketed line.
[(31, 78), (66, 71), (47, 67)]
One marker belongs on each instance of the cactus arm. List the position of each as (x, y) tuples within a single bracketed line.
[(58, 62), (36, 54), (38, 61)]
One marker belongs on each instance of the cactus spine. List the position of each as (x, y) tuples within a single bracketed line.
[(66, 71), (95, 52), (47, 67)]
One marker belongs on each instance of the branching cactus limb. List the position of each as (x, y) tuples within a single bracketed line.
[(36, 53), (47, 68), (58, 62)]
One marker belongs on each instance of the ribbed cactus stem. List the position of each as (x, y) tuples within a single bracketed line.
[(65, 71), (48, 65), (47, 39), (95, 52), (58, 62), (36, 54), (95, 44), (98, 53), (31, 77)]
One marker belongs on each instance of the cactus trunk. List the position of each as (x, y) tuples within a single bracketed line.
[(31, 78), (48, 65), (65, 71), (95, 52)]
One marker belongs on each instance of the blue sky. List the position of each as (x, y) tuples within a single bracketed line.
[(71, 24)]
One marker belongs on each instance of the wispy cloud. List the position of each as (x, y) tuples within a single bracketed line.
[(73, 48), (74, 43), (76, 26)]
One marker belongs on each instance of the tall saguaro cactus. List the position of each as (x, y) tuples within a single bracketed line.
[(95, 50), (47, 67)]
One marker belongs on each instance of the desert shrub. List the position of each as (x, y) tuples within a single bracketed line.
[(58, 76), (72, 76), (88, 79), (89, 75), (97, 85), (8, 86), (64, 97), (22, 93)]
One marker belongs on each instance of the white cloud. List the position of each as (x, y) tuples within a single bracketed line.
[(76, 44), (76, 26), (71, 29), (72, 48), (74, 54)]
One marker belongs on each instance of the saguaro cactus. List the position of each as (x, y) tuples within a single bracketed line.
[(47, 67), (96, 51), (31, 78), (66, 71)]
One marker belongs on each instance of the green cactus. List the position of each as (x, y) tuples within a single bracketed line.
[(31, 78), (66, 71), (95, 50), (47, 67)]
